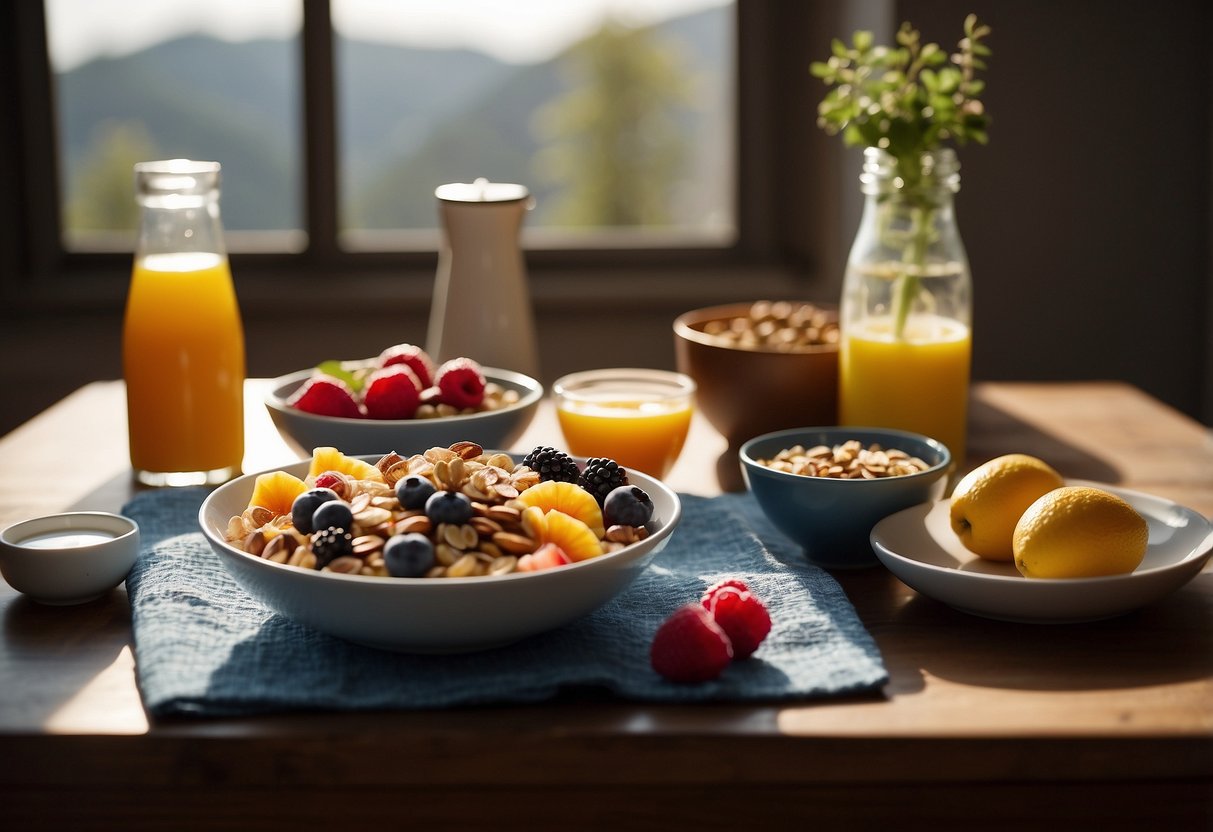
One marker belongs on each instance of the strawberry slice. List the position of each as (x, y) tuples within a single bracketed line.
[(547, 556)]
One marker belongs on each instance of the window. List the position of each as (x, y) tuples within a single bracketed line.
[(616, 114), (749, 193), (208, 80)]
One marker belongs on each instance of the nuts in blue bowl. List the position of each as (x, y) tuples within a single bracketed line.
[(811, 484)]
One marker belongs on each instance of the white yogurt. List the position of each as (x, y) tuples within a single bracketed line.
[(66, 539)]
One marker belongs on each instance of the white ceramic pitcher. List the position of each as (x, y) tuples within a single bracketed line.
[(482, 303)]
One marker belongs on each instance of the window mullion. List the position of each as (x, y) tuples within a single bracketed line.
[(38, 170), (319, 131)]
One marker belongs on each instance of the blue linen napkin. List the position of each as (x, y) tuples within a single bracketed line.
[(203, 647)]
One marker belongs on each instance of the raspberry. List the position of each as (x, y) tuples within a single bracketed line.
[(392, 393), (334, 481), (690, 646), (742, 616), (461, 383), (324, 395), (602, 476), (551, 464), (736, 583), (412, 357)]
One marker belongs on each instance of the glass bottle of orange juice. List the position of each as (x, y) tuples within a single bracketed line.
[(183, 341), (906, 313)]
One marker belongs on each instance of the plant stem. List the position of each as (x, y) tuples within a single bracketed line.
[(913, 265)]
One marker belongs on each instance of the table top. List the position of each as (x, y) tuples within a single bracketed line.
[(1114, 716)]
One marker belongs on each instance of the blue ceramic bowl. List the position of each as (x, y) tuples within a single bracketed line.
[(832, 519)]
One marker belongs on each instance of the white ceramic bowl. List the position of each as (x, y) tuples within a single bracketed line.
[(434, 615), (68, 558), (305, 432), (919, 547)]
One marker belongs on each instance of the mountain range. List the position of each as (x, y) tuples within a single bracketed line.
[(409, 119)]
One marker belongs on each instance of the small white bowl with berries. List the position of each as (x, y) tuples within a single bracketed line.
[(402, 400)]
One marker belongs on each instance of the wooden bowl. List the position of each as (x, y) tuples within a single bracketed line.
[(748, 392)]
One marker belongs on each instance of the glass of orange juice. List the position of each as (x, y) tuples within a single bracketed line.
[(637, 417)]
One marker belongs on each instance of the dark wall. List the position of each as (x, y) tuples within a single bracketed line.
[(1087, 216)]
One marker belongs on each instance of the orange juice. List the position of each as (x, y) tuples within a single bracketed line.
[(183, 359), (919, 383), (640, 435)]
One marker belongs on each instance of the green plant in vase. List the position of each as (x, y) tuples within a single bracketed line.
[(909, 101), (906, 342)]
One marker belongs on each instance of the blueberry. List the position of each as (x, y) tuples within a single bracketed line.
[(448, 507), (413, 491), (305, 506), (334, 514), (408, 555), (627, 505)]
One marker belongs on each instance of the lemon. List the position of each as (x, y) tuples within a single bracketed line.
[(1079, 532), (989, 500)]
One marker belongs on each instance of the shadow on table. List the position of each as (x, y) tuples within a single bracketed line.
[(1001, 433), (1129, 651)]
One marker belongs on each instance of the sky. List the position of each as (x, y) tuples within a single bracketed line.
[(518, 31)]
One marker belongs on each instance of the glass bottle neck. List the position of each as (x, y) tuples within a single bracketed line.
[(179, 202), (932, 177)]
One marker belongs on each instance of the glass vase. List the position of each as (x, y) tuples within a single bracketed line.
[(906, 311)]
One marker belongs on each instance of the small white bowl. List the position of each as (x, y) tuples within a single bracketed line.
[(434, 615), (305, 432), (491, 428), (69, 558)]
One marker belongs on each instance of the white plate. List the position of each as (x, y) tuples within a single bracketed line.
[(919, 547), (432, 615)]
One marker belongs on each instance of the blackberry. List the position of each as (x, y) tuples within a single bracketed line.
[(551, 464), (602, 476), (330, 543)]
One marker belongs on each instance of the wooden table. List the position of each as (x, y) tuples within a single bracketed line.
[(983, 724)]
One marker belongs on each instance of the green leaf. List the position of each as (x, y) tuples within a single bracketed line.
[(908, 98), (949, 80), (336, 369)]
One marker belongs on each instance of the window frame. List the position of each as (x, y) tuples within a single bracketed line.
[(785, 194)]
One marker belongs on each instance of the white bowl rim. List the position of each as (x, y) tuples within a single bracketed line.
[(533, 393), (627, 553), (945, 454)]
